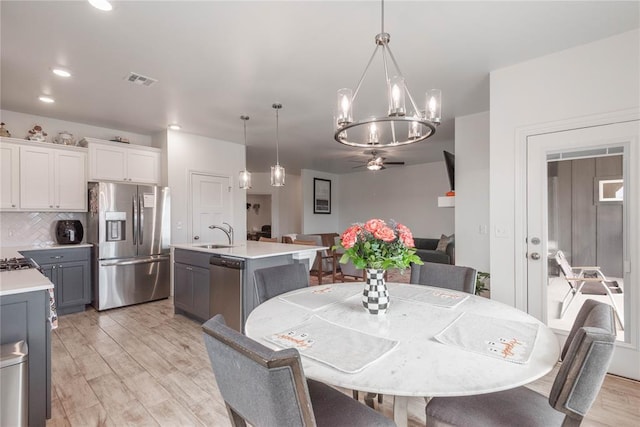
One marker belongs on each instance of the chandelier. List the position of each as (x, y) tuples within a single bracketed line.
[(277, 171), (244, 177), (398, 126)]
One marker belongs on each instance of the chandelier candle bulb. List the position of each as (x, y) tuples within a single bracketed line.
[(415, 130), (434, 104), (344, 107), (396, 97), (373, 134)]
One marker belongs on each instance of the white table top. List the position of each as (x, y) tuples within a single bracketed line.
[(419, 365)]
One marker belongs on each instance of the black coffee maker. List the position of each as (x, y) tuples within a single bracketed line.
[(69, 232)]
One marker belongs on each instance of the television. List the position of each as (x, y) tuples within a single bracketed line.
[(450, 160)]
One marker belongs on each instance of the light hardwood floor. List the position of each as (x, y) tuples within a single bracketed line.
[(143, 365)]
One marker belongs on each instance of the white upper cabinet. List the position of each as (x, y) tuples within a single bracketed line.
[(113, 161), (9, 176), (53, 179)]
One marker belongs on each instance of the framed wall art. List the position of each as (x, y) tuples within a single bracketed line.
[(321, 196)]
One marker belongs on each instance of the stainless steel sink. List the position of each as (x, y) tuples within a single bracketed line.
[(215, 246)]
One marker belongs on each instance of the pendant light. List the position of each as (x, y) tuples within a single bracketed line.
[(244, 177), (398, 125), (277, 171)]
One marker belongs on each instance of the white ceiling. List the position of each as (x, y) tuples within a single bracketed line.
[(215, 61)]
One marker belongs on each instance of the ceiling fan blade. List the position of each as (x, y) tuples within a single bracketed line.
[(394, 163)]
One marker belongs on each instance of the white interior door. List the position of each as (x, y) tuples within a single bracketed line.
[(587, 142), (211, 205)]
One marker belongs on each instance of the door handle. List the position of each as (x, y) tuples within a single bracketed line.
[(196, 237), (134, 214), (535, 256), (140, 219)]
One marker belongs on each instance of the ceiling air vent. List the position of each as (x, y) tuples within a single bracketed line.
[(139, 79)]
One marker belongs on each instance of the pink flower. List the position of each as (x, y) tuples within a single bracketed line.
[(350, 236), (385, 234), (405, 235), (374, 225)]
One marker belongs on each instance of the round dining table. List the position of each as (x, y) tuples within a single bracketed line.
[(417, 361)]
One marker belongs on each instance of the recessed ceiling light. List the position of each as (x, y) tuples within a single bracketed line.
[(101, 4), (175, 126), (61, 72), (46, 99)]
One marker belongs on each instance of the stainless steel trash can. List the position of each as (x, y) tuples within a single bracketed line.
[(14, 384)]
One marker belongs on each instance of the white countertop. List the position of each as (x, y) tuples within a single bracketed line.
[(19, 281), (253, 250), (16, 251)]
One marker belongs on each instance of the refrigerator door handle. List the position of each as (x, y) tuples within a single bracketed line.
[(134, 214), (140, 219), (145, 260)]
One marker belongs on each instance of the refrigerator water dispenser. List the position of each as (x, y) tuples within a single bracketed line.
[(115, 226)]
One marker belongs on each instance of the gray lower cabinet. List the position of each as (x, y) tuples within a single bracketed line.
[(191, 282), (70, 272), (25, 317)]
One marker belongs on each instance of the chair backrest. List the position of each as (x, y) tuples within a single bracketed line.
[(268, 239), (562, 262), (323, 258), (444, 276), (260, 386), (273, 281), (586, 358), (348, 269)]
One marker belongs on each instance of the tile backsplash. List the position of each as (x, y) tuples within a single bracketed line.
[(33, 228)]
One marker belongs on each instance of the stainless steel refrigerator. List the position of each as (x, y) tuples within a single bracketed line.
[(129, 226)]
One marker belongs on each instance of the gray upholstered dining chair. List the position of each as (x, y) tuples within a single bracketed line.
[(273, 281), (585, 359), (265, 387), (444, 276)]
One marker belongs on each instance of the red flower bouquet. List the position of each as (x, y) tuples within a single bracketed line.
[(379, 245)]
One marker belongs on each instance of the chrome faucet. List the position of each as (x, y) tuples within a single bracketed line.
[(227, 231)]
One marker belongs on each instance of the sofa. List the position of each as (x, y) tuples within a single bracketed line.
[(426, 250)]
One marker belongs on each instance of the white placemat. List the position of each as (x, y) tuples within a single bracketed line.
[(319, 297), (503, 339), (325, 342), (438, 297)]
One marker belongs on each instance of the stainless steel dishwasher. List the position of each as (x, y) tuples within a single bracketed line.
[(226, 289)]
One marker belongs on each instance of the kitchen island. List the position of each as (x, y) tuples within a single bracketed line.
[(213, 278), (24, 315)]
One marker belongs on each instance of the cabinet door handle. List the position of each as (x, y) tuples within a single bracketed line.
[(57, 257), (51, 206), (57, 206), (13, 206)]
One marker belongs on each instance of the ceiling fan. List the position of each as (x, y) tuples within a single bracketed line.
[(375, 162)]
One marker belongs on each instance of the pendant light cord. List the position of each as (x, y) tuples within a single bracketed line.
[(382, 18), (277, 138)]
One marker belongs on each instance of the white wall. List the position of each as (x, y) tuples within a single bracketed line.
[(319, 223), (472, 191), (406, 194), (19, 124), (591, 79), (187, 152), (286, 202)]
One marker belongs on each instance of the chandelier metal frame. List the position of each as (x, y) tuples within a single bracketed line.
[(421, 125)]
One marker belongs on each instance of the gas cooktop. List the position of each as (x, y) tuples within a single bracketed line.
[(10, 264)]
